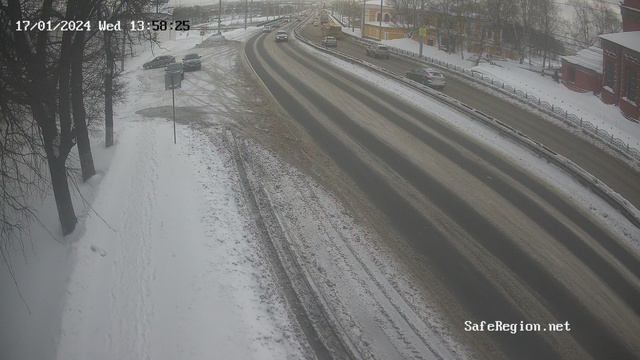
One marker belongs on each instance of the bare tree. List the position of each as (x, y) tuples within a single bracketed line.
[(39, 83)]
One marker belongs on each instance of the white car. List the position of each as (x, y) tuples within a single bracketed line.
[(330, 41), (428, 76)]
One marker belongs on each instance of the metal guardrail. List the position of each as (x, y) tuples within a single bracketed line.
[(552, 110), (598, 187)]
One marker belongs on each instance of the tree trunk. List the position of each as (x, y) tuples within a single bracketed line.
[(79, 113), (108, 91), (61, 192), (481, 48)]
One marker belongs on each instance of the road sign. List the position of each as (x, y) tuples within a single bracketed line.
[(172, 80)]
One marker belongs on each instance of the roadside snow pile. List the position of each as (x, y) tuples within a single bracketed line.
[(584, 105)]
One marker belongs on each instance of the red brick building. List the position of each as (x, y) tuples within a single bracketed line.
[(621, 72), (582, 72), (630, 15)]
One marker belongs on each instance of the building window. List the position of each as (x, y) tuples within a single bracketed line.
[(386, 18), (609, 74), (379, 17), (632, 86)]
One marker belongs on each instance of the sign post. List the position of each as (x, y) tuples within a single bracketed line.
[(173, 80), (421, 36)]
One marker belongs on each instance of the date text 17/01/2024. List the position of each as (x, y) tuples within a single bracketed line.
[(513, 328), (103, 25)]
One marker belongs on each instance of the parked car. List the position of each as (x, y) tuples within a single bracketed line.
[(329, 41), (159, 62), (175, 68), (316, 23), (282, 35), (428, 76), (266, 29), (378, 51), (191, 62)]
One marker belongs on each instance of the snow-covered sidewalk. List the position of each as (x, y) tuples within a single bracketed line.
[(169, 268)]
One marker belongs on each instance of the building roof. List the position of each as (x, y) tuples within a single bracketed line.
[(589, 58), (629, 39)]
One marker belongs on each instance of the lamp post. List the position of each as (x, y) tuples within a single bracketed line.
[(364, 6), (380, 33), (219, 17)]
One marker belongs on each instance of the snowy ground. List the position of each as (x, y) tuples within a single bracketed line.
[(584, 105), (165, 263)]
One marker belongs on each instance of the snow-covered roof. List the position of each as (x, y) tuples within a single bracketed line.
[(589, 58), (629, 39)]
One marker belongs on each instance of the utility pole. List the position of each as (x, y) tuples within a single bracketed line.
[(364, 6), (381, 2), (173, 102), (124, 39), (245, 14), (219, 17), (421, 31)]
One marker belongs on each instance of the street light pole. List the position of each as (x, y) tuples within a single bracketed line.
[(245, 14), (173, 102), (364, 6), (219, 17), (380, 33)]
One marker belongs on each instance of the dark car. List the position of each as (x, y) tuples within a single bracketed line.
[(282, 35), (428, 76), (159, 62), (191, 62)]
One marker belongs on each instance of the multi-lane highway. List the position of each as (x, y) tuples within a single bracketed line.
[(501, 243), (614, 172)]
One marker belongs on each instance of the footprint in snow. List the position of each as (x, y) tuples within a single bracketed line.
[(98, 250)]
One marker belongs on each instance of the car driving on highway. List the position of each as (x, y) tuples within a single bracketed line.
[(378, 51), (282, 35), (428, 76), (266, 29), (329, 41), (159, 61)]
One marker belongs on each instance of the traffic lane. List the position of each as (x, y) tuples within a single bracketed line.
[(481, 297), (569, 236), (477, 218), (614, 172), (577, 232)]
